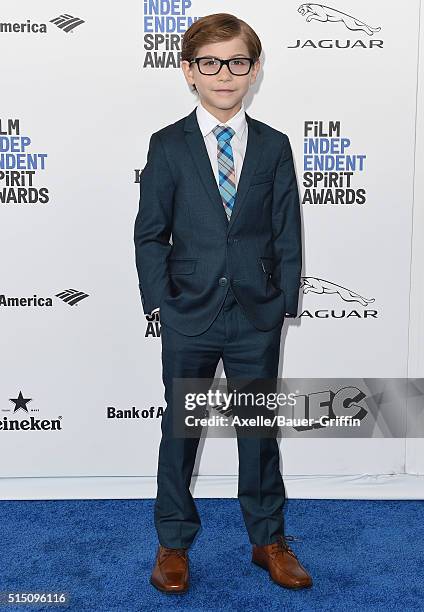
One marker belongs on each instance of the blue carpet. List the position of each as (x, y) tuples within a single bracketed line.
[(362, 555)]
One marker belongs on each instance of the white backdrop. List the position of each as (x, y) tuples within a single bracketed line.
[(77, 110)]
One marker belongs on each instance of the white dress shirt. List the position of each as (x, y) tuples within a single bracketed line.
[(238, 122)]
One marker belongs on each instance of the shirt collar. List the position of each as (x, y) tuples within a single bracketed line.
[(207, 121)]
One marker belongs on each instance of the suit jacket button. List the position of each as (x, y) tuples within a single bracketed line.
[(222, 281)]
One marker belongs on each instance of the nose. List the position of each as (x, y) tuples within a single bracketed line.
[(227, 72)]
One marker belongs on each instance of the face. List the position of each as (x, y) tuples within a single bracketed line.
[(221, 94)]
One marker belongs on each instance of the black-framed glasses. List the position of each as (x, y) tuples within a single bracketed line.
[(238, 66)]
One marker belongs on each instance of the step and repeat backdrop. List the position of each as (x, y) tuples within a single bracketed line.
[(83, 87)]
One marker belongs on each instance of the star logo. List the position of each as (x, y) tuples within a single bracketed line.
[(20, 402)]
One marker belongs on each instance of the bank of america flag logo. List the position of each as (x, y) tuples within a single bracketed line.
[(67, 22), (71, 296)]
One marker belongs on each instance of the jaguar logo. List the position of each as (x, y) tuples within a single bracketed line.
[(320, 285), (320, 12)]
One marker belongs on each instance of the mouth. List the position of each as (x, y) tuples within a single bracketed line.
[(224, 91)]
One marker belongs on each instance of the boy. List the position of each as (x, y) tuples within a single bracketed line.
[(224, 185)]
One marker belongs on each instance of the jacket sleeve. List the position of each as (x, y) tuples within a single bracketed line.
[(153, 226), (286, 228)]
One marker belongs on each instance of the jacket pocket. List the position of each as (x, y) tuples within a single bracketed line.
[(262, 177), (267, 264), (181, 266)]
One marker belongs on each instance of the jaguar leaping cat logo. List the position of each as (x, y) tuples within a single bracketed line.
[(320, 12), (319, 285)]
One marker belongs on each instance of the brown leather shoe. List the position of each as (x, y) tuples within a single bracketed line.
[(282, 564), (171, 571)]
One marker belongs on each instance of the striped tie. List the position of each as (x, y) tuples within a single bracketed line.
[(227, 177)]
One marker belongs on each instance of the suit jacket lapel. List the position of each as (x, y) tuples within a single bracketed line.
[(202, 163)]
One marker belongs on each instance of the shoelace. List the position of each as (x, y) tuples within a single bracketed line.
[(166, 552), (281, 545)]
